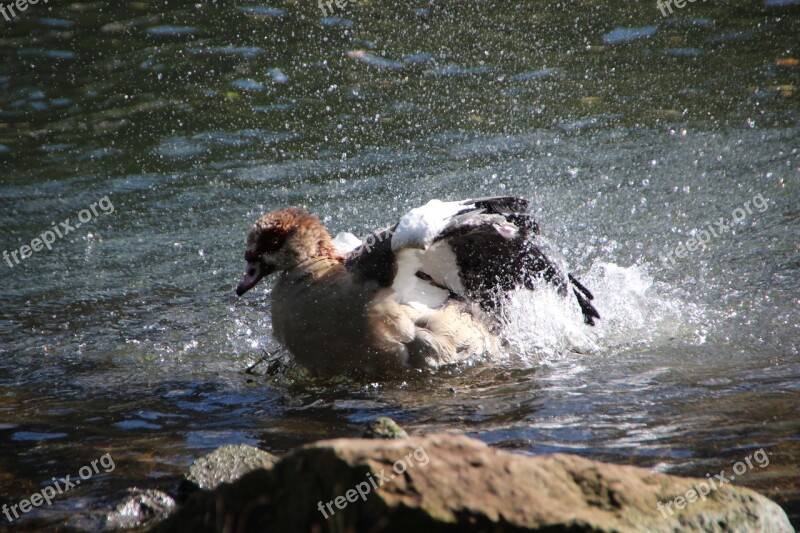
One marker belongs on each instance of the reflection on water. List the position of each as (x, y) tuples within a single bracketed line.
[(629, 131)]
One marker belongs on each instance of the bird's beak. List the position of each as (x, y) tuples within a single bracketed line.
[(252, 275)]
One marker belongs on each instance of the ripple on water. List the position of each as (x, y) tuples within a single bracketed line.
[(180, 147), (243, 137), (781, 3), (52, 54), (621, 35), (247, 84), (336, 21), (375, 61), (456, 70), (734, 36), (136, 424), (52, 148), (278, 76), (262, 11), (413, 59), (55, 23), (273, 107), (682, 52), (244, 51), (698, 22), (171, 31), (36, 436), (537, 74)]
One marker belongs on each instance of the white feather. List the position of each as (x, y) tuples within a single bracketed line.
[(409, 289), (346, 242), (421, 225), (439, 262)]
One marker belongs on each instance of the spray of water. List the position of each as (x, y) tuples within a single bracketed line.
[(542, 326)]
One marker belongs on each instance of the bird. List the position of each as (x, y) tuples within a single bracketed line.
[(425, 291)]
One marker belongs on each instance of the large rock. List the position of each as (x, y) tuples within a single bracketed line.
[(139, 508), (384, 428), (135, 509), (454, 483), (228, 463)]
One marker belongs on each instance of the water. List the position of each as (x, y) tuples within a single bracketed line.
[(630, 133)]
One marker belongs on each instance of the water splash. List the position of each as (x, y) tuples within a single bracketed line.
[(542, 326)]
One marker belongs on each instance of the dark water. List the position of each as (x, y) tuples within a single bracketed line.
[(630, 132)]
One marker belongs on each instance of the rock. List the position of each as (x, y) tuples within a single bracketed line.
[(455, 483), (384, 428), (135, 508), (228, 463), (140, 508)]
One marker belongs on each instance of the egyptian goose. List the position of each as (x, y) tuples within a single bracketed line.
[(422, 292)]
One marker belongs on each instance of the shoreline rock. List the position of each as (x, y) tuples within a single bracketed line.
[(225, 465), (455, 483), (384, 428)]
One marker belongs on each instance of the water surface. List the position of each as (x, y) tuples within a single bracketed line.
[(631, 133)]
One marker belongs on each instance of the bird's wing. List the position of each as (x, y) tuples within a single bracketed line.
[(468, 250)]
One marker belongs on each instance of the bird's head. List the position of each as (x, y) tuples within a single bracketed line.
[(281, 240)]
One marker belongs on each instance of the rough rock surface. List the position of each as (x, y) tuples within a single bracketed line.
[(136, 508), (464, 485), (228, 463), (384, 428), (139, 508)]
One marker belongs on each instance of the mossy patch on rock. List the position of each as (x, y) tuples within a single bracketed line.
[(384, 428)]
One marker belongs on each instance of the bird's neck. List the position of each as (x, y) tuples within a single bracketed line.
[(309, 270), (316, 242)]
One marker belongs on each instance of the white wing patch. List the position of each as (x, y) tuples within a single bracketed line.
[(439, 262), (412, 242), (346, 242), (421, 225), (508, 231), (409, 289)]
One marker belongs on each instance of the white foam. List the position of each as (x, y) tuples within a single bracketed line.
[(541, 325)]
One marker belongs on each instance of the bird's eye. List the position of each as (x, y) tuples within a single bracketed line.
[(270, 242)]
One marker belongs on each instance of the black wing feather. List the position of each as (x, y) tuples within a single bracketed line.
[(489, 261), (375, 259)]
